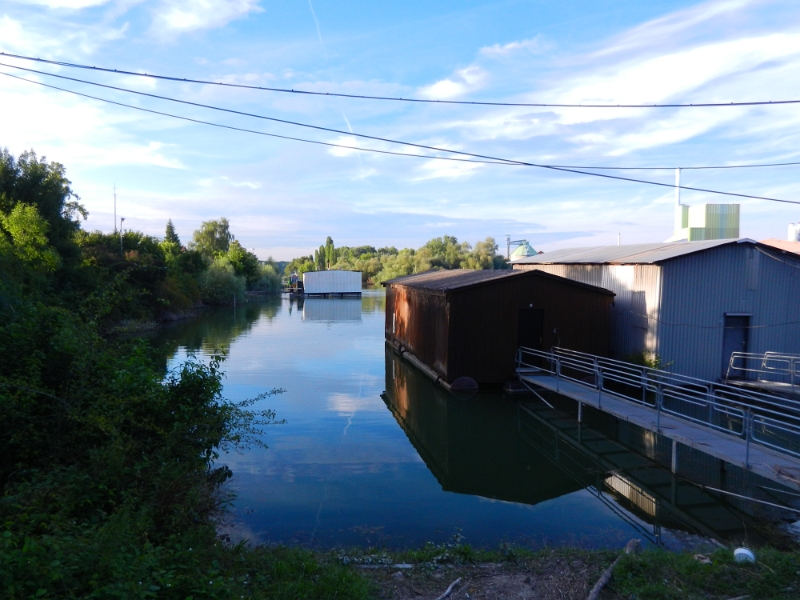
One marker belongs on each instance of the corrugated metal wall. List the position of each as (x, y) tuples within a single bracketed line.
[(635, 313), (473, 331), (420, 322), (699, 289), (332, 282), (677, 308)]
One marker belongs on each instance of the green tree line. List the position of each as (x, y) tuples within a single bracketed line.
[(109, 486), (381, 264)]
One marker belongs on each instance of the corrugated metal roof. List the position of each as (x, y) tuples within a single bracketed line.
[(441, 282), (785, 245), (444, 281), (627, 255)]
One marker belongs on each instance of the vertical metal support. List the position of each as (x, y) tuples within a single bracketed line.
[(558, 375), (659, 402), (674, 456), (748, 432), (599, 377), (580, 412)]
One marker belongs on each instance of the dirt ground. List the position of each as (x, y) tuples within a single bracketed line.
[(551, 578)]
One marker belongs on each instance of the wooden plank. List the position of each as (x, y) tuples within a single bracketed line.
[(762, 461)]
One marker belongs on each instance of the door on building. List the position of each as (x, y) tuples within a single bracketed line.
[(529, 328), (734, 339)]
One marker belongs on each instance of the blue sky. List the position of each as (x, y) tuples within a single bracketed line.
[(283, 198)]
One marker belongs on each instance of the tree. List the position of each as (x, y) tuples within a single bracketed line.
[(245, 263), (170, 235), (35, 182), (212, 239)]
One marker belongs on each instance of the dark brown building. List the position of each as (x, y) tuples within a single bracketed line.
[(465, 323)]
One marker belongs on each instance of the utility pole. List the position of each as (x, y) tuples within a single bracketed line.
[(121, 221), (115, 208)]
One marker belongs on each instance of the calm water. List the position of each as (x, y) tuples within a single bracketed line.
[(372, 453)]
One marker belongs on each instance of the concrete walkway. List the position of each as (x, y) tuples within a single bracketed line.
[(781, 468)]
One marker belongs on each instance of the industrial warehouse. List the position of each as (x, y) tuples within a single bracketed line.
[(691, 303)]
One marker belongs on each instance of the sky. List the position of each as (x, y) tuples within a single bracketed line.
[(283, 198)]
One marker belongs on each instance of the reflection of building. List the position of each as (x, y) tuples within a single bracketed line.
[(465, 323), (692, 303), (528, 453), (471, 446), (332, 309)]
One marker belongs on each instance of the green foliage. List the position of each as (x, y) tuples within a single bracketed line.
[(269, 280), (220, 284), (245, 263), (381, 264), (662, 575), (212, 239), (646, 359), (170, 235)]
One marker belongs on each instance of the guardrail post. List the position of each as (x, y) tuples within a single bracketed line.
[(748, 433), (599, 380), (558, 374), (659, 401)]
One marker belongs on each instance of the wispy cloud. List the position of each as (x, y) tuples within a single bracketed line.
[(462, 82), (71, 4), (174, 17), (499, 51)]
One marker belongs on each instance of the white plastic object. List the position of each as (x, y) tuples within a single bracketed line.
[(744, 555)]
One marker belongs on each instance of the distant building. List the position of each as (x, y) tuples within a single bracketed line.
[(524, 250), (692, 303), (703, 221), (332, 283), (465, 323)]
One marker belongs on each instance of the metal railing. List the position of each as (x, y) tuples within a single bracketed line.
[(770, 367), (768, 420)]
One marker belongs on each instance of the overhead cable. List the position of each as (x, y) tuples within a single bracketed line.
[(392, 98), (483, 158)]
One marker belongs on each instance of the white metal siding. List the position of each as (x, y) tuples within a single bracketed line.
[(677, 308), (636, 305), (741, 279), (332, 282)]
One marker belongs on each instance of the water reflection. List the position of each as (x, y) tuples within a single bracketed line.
[(332, 310), (471, 446), (212, 331), (342, 472)]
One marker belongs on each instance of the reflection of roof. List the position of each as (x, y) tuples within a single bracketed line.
[(523, 250), (442, 282), (629, 254), (783, 245)]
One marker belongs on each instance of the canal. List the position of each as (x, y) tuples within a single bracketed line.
[(373, 454)]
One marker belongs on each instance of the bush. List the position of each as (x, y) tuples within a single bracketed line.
[(220, 285)]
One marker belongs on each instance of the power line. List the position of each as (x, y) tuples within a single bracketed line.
[(483, 158), (253, 131), (391, 98), (752, 166), (605, 168)]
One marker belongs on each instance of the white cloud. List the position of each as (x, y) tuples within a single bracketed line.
[(464, 80), (71, 4), (434, 169), (665, 31), (70, 39), (180, 16), (498, 51)]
